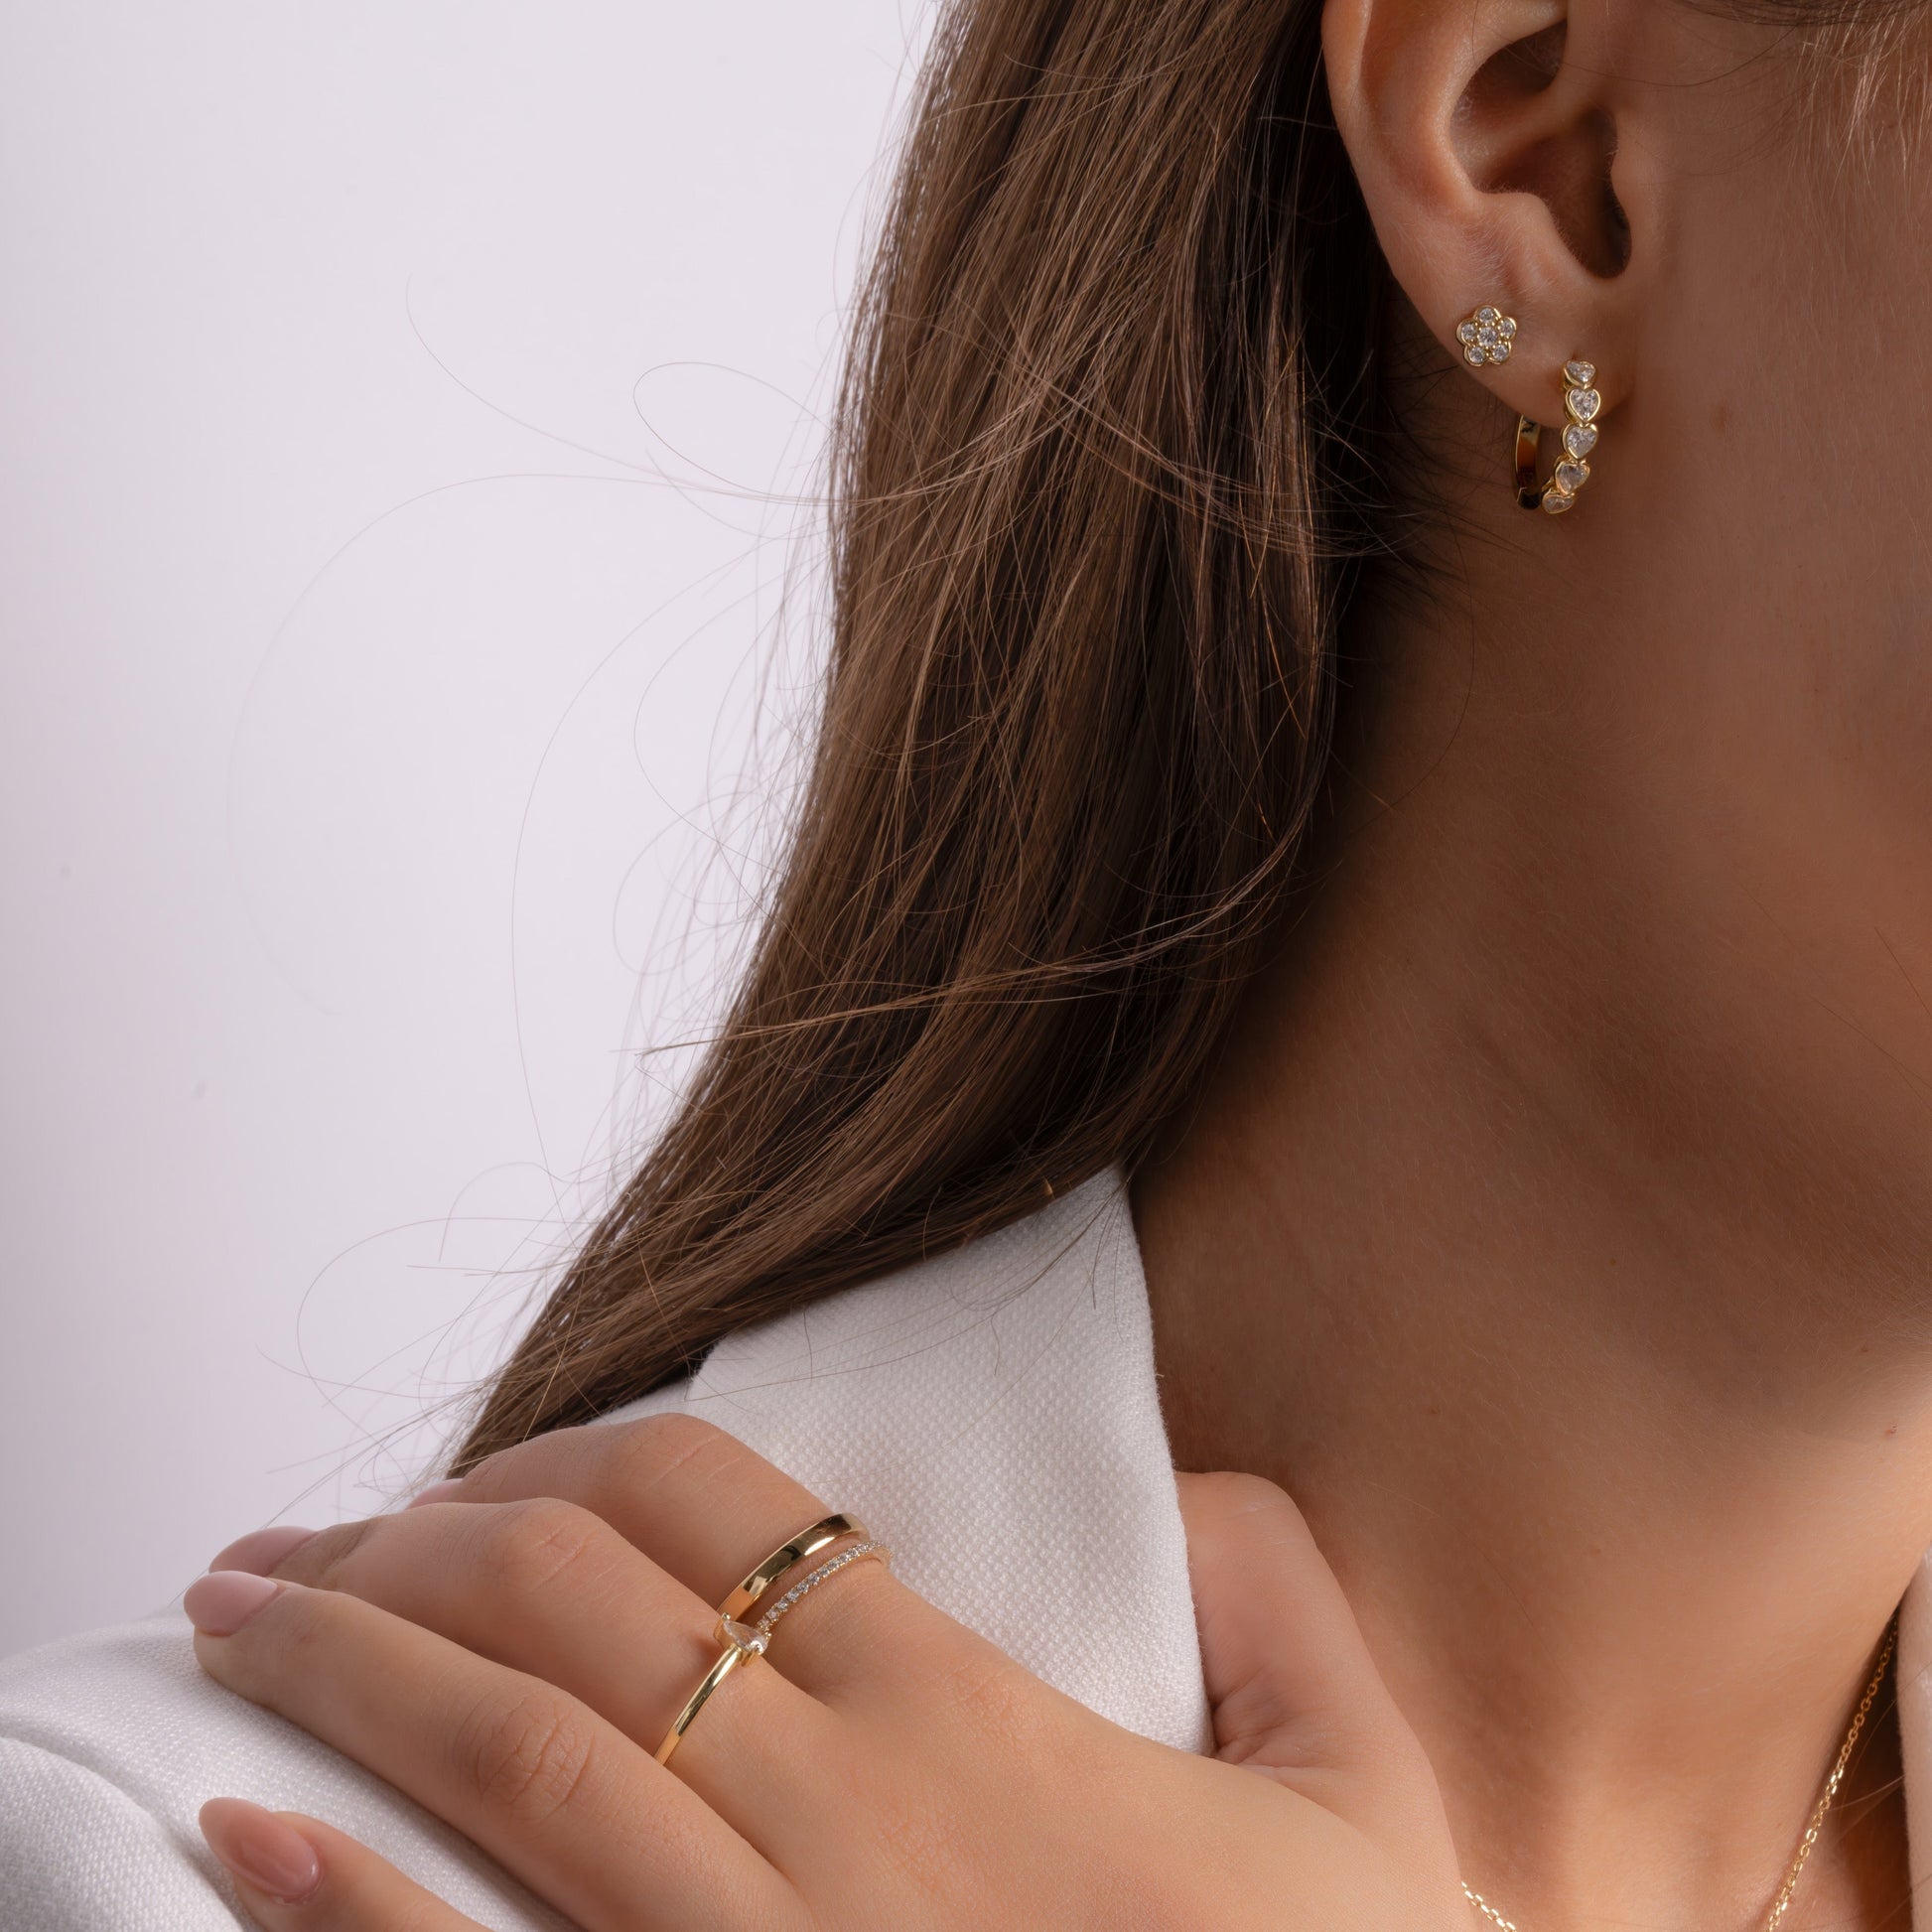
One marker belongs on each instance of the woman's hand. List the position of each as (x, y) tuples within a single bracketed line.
[(512, 1652)]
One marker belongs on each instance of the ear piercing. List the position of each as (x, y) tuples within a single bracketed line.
[(1583, 403)]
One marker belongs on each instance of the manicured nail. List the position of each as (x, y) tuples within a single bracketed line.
[(261, 1849), (436, 1492), (261, 1550), (220, 1603)]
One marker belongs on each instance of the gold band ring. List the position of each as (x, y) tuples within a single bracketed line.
[(807, 1543), (741, 1646)]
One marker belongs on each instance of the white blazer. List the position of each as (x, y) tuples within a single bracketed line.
[(992, 1414)]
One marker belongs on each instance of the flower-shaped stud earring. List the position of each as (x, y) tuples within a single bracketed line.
[(1486, 337)]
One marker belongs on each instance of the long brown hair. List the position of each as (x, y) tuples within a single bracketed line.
[(1101, 488)]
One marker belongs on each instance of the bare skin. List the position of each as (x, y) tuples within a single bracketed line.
[(1622, 1497)]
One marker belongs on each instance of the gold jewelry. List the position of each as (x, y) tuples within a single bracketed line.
[(1836, 1777), (1488, 1911), (807, 1543), (1583, 403), (1488, 337), (1782, 1904), (877, 1551), (741, 1646)]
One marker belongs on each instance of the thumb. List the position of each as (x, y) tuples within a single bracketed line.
[(1294, 1692)]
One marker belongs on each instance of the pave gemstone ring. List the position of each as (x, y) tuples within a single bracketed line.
[(805, 1586), (742, 1645)]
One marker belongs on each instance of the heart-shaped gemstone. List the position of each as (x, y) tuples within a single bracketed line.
[(1579, 438), (1580, 375), (1556, 502), (1582, 404), (1570, 477)]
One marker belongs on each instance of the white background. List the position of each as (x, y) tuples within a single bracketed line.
[(399, 406)]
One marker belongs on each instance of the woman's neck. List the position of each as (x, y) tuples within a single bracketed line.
[(1551, 1247)]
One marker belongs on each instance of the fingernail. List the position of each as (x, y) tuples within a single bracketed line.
[(261, 1849), (220, 1603), (436, 1492), (261, 1550)]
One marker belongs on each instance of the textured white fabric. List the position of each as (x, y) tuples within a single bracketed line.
[(992, 1414)]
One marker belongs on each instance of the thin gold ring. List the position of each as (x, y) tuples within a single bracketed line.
[(807, 1543), (741, 1646)]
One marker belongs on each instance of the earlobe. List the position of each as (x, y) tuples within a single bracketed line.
[(1484, 136)]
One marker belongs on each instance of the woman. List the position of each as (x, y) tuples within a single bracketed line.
[(1289, 965)]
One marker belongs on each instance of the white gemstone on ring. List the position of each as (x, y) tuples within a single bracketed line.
[(741, 1636)]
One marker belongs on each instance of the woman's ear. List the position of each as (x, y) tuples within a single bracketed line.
[(1492, 140)]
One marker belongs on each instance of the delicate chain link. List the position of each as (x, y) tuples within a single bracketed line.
[(1782, 1904), (1488, 1911)]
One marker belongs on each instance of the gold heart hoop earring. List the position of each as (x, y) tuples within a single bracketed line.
[(1583, 403)]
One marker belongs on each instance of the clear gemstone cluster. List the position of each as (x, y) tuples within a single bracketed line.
[(1581, 405), (1488, 337)]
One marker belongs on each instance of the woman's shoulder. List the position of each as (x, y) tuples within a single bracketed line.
[(109, 1746)]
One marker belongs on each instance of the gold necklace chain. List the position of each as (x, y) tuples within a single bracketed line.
[(1782, 1904)]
